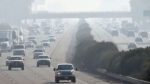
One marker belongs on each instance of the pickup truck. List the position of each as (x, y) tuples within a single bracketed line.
[(65, 72)]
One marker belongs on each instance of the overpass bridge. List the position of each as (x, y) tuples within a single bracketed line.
[(46, 15)]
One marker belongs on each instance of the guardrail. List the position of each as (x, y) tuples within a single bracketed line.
[(127, 79)]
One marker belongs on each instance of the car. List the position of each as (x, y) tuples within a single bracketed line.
[(43, 60), (8, 60), (40, 47), (19, 52), (52, 38), (16, 62), (143, 34), (130, 34), (132, 46), (29, 44), (5, 46), (31, 38), (19, 46), (138, 40), (39, 50), (65, 72), (34, 41), (36, 54), (46, 44)]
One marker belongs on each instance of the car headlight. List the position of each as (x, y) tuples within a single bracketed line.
[(73, 73), (58, 73)]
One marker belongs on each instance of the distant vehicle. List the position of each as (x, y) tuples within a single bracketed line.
[(45, 43), (20, 46), (31, 37), (59, 31), (43, 60), (5, 46), (19, 52), (8, 60), (143, 34), (65, 72), (52, 38), (34, 41), (132, 46), (29, 44), (138, 40), (114, 33), (39, 47), (16, 62), (39, 50), (130, 34), (37, 54)]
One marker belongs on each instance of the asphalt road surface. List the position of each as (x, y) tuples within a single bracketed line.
[(43, 74)]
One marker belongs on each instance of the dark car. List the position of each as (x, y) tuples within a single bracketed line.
[(43, 60), (16, 62), (65, 72)]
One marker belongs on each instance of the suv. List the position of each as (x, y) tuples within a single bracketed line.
[(16, 62), (65, 72), (43, 60)]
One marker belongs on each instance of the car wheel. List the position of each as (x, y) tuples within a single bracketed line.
[(22, 67), (73, 80), (37, 65), (56, 80), (49, 65), (9, 67)]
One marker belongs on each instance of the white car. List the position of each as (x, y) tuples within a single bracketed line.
[(43, 60)]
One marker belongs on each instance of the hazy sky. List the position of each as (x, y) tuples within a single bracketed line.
[(81, 5)]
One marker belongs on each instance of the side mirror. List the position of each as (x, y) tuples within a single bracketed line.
[(54, 69)]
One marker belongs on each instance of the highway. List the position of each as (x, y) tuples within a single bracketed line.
[(100, 34), (59, 52)]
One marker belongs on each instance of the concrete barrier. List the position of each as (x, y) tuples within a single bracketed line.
[(127, 79)]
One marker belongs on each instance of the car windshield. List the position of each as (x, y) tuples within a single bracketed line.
[(19, 47), (15, 58), (65, 67), (38, 50), (19, 51), (38, 53), (43, 57)]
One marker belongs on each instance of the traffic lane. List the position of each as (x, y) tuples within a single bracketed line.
[(60, 55)]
